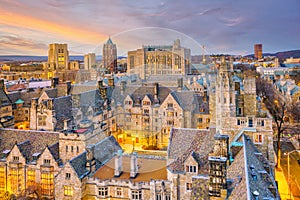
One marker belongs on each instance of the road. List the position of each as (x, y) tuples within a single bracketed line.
[(294, 168)]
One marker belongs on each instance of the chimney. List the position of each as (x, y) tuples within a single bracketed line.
[(34, 102), (133, 165), (156, 88), (54, 82), (118, 163), (180, 83), (111, 82), (69, 86), (123, 85), (100, 83), (90, 159), (50, 104), (66, 124), (2, 85)]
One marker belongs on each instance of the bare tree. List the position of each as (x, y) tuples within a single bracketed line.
[(276, 106)]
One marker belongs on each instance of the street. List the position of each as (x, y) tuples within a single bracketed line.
[(294, 180)]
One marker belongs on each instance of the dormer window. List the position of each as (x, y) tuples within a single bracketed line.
[(191, 169), (16, 158), (46, 161)]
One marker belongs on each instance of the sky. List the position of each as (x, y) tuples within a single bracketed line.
[(27, 27)]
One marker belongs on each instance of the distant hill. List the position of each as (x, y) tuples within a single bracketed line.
[(282, 54), (17, 58)]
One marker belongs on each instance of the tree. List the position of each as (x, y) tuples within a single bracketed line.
[(277, 108)]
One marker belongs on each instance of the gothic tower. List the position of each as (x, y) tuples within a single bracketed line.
[(225, 95)]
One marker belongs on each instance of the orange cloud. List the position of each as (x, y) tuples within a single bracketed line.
[(71, 33)]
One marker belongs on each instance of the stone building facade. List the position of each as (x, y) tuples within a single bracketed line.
[(6, 115), (159, 60)]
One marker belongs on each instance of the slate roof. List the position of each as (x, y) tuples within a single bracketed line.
[(78, 163), (185, 99), (28, 141), (63, 110), (185, 142), (25, 96), (251, 172), (4, 99), (148, 90), (103, 151)]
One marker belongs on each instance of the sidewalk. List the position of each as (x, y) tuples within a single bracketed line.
[(282, 185)]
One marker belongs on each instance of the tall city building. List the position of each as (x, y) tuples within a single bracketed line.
[(109, 56), (58, 57), (159, 60), (258, 51), (89, 61)]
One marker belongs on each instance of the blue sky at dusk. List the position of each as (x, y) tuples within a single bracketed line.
[(28, 26)]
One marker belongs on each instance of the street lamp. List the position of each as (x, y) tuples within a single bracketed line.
[(297, 150)]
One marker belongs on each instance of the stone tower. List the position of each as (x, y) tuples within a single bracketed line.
[(225, 95), (250, 103), (109, 56), (217, 166)]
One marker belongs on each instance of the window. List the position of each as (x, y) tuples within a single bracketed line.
[(239, 111), (224, 100), (16, 158), (30, 178), (77, 149), (146, 103), (200, 120), (261, 122), (119, 192), (146, 111), (42, 120), (170, 114), (146, 120), (2, 179), (191, 169), (158, 197), (168, 197), (46, 162), (68, 191), (188, 186), (170, 105), (258, 138), (72, 148), (238, 122), (47, 183), (103, 191), (170, 123), (66, 148), (136, 194), (68, 176)]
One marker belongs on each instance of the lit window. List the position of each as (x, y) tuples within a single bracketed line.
[(103, 191), (188, 186), (258, 138), (30, 178), (68, 191), (2, 178)]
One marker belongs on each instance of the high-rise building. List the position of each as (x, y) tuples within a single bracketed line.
[(58, 57), (109, 56), (258, 51), (89, 61)]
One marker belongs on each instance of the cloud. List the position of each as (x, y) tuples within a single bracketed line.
[(18, 41)]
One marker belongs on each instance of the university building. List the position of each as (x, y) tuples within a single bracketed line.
[(159, 60)]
